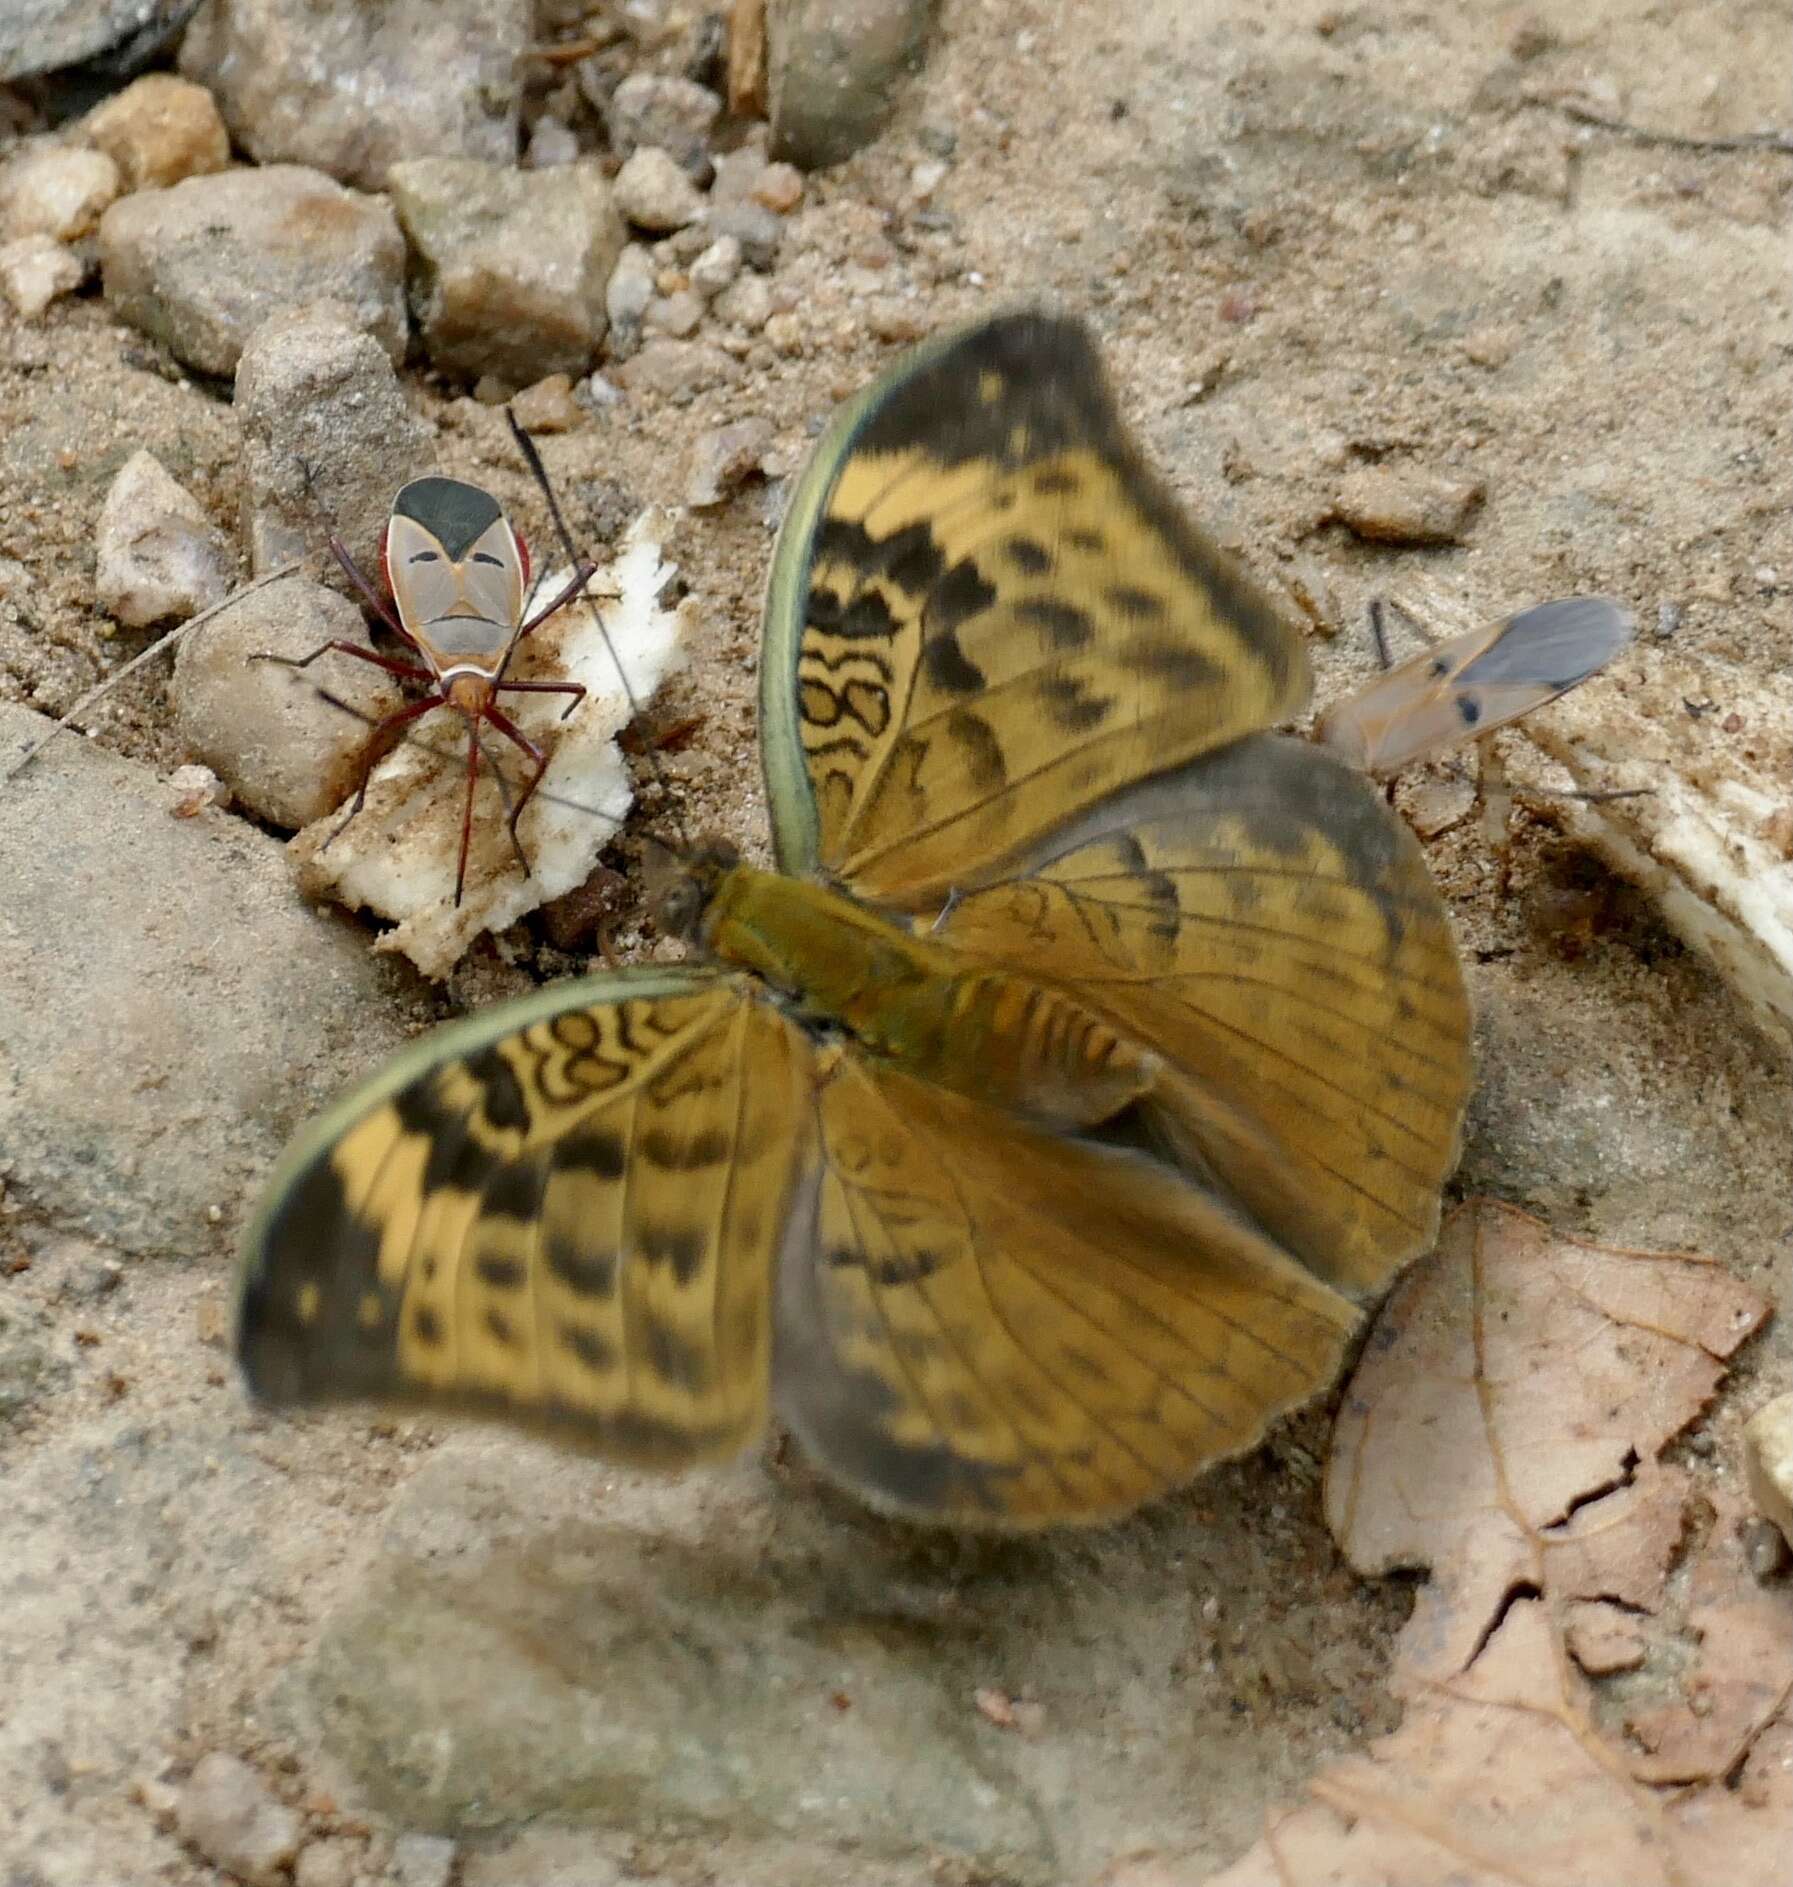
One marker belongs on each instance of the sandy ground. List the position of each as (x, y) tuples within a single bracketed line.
[(1311, 237)]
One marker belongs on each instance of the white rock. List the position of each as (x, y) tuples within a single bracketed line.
[(717, 267), (627, 297), (55, 190), (226, 1812), (34, 270), (655, 194), (159, 557), (1710, 835), (422, 1861), (1768, 1462)]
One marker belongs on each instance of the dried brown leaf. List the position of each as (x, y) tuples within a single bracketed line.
[(1514, 1377)]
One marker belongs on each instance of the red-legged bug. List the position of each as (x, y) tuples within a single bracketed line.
[(458, 575)]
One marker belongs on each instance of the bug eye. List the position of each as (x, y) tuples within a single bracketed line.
[(425, 556), (485, 556)]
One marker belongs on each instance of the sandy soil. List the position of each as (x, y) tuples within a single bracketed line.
[(1311, 237)]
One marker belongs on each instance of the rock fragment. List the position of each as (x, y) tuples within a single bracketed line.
[(328, 438), (353, 89), (655, 194), (834, 69), (724, 458), (752, 225), (509, 267), (548, 406), (627, 296), (287, 754), (1768, 1462), (159, 130), (35, 270), (226, 1812), (54, 189), (422, 1861), (672, 114), (1389, 504), (159, 557), (202, 265), (716, 267)]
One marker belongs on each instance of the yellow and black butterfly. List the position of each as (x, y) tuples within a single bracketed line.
[(1029, 1140)]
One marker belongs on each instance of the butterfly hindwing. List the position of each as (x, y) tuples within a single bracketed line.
[(986, 613), (985, 1322), (563, 1209), (1268, 927)]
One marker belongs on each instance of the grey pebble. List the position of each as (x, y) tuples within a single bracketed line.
[(201, 266), (655, 194), (676, 115), (834, 71), (509, 266), (758, 230), (725, 457), (158, 557), (423, 1861), (227, 1813)]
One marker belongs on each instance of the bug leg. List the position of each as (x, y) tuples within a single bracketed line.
[(581, 576), (352, 570), (379, 744), (576, 689), (515, 735), (460, 876), (504, 797), (406, 670)]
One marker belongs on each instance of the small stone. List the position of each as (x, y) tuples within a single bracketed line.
[(738, 174), (158, 131), (197, 789), (596, 394), (716, 267), (226, 1812), (509, 266), (1434, 806), (325, 1864), (1405, 505), (551, 143), (159, 557), (626, 298), (28, 1371), (1768, 1462), (355, 89), (747, 304), (1489, 347), (674, 370), (785, 332), (926, 177), (724, 458), (202, 265), (752, 225), (59, 190), (548, 406), (654, 193), (779, 187), (422, 1861), (833, 72), (328, 437), (1766, 1548), (289, 755), (678, 314), (1312, 594), (35, 270), (891, 320), (669, 114)]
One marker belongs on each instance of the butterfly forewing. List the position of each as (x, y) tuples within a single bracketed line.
[(565, 1210), (1270, 929), (986, 613), (983, 1322)]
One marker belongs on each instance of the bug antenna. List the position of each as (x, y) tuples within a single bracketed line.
[(533, 458)]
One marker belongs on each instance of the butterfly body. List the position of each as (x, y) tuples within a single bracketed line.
[(1032, 1136)]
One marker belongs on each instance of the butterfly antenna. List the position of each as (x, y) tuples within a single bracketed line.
[(527, 447)]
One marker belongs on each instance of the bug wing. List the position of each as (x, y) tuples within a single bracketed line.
[(985, 612), (563, 1210), (1476, 683), (1266, 925), (983, 1322)]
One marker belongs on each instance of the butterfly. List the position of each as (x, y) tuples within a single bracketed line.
[(1474, 683), (1032, 1136)]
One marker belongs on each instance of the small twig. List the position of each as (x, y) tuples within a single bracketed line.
[(167, 642), (1781, 141)]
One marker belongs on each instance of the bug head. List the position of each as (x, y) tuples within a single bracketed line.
[(451, 556), (680, 884)]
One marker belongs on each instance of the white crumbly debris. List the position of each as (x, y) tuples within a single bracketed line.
[(1711, 840), (397, 856)]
